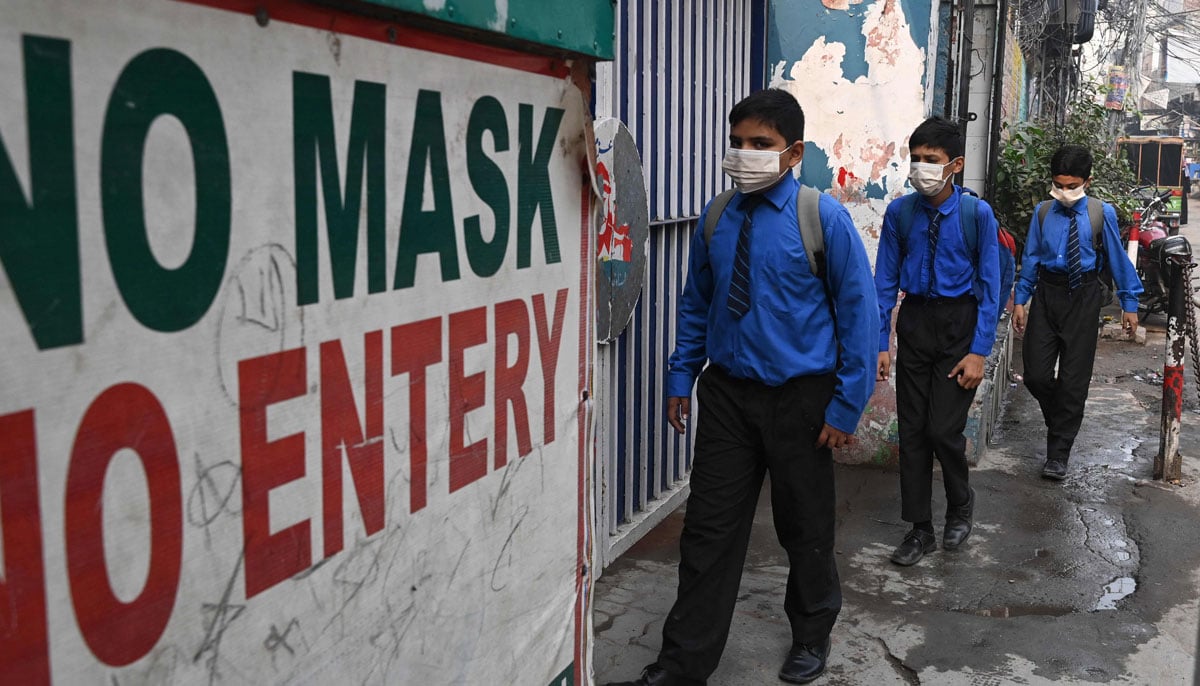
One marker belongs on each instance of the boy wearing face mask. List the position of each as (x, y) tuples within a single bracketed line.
[(1058, 272), (786, 382), (944, 331)]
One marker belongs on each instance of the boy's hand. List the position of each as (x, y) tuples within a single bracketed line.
[(834, 438), (1019, 318), (1129, 321), (885, 366), (969, 371), (678, 410)]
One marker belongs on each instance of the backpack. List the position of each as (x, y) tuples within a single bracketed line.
[(969, 224), (1008, 264), (1095, 210), (807, 215)]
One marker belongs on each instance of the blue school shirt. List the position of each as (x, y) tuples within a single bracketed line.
[(790, 330), (1046, 246), (907, 268)]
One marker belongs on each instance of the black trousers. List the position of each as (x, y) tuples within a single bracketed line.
[(1062, 328), (745, 429), (932, 337)]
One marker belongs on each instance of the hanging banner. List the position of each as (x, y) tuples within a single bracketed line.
[(1118, 85), (296, 314)]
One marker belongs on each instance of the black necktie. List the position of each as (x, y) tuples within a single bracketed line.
[(738, 302), (935, 223), (1074, 259)]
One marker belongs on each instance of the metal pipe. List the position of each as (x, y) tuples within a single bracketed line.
[(997, 97), (1173, 254)]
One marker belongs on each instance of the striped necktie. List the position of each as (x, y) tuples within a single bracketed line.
[(1074, 258), (738, 302), (935, 223)]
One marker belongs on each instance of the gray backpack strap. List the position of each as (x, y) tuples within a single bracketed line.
[(1096, 215), (715, 209), (1095, 210), (808, 214)]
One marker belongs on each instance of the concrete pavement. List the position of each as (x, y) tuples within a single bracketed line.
[(1093, 580)]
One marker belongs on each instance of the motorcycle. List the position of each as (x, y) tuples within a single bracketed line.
[(1154, 288), (1163, 201), (1155, 238)]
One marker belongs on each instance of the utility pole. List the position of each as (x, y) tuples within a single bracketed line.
[(1135, 48), (1057, 62)]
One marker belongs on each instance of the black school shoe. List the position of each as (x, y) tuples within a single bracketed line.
[(916, 544), (653, 675), (804, 663), (1055, 470), (958, 523)]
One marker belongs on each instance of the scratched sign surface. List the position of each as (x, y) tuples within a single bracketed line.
[(293, 350)]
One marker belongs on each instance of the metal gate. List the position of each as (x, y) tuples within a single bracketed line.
[(680, 65)]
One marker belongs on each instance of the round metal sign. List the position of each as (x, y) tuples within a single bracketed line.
[(623, 227)]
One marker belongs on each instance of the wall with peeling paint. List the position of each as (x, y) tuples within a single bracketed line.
[(867, 73), (861, 71)]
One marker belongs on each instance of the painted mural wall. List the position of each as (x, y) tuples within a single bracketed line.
[(297, 329), (860, 72), (1014, 105)]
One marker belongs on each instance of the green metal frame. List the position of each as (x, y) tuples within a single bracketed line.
[(578, 26)]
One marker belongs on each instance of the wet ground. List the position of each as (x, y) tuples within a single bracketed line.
[(1092, 580)]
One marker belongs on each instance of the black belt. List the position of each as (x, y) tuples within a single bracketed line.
[(721, 371), (1062, 278), (936, 301)]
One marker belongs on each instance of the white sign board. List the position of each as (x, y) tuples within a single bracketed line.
[(1158, 97), (296, 331)]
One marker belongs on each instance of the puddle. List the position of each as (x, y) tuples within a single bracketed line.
[(1004, 611), (1115, 591)]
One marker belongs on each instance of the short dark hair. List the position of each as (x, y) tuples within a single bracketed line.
[(1071, 160), (939, 134), (774, 107)]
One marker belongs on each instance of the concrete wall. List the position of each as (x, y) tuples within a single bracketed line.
[(979, 96)]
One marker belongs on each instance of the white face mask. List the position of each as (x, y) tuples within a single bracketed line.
[(926, 177), (753, 170), (1068, 197)]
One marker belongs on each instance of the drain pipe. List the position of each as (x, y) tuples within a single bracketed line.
[(997, 96), (966, 25)]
